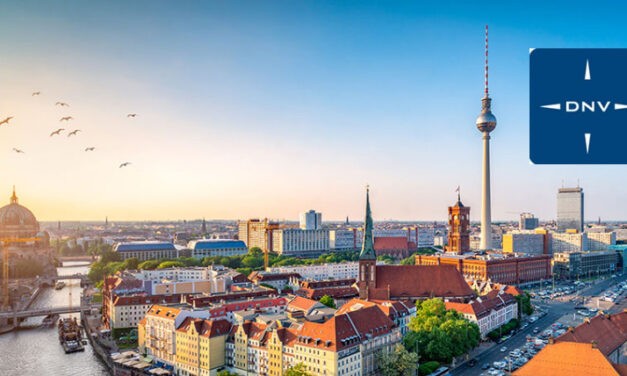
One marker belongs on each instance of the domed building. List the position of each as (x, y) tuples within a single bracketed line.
[(16, 221)]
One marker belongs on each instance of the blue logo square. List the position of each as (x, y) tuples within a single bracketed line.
[(578, 106)]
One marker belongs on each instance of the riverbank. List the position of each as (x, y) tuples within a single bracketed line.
[(90, 325)]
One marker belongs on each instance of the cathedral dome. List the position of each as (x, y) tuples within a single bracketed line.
[(17, 221)]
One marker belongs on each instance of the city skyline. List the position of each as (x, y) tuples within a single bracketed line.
[(280, 109)]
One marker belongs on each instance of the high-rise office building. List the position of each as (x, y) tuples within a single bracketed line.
[(311, 220), (570, 209), (528, 222)]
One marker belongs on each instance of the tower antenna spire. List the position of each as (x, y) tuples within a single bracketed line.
[(486, 61)]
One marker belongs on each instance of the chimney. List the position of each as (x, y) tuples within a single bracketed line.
[(594, 345), (551, 340)]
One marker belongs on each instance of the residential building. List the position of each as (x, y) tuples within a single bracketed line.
[(297, 242), (528, 222), (159, 329), (341, 290), (200, 346), (489, 312), (344, 240), (217, 247), (570, 265), (311, 220), (146, 250), (570, 206), (497, 268)]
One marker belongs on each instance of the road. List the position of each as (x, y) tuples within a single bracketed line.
[(555, 310)]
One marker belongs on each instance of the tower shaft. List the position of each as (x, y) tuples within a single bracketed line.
[(486, 210)]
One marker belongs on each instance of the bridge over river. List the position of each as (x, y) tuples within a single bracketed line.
[(46, 311)]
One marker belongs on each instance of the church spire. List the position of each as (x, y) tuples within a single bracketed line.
[(367, 248), (14, 197)]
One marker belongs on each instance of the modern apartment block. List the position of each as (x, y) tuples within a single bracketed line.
[(570, 205), (297, 242)]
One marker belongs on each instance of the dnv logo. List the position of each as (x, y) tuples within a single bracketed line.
[(577, 98)]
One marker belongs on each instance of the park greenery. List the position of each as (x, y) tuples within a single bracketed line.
[(440, 334), (111, 263), (398, 362), (411, 260)]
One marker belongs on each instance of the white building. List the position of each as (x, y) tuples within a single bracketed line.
[(322, 272), (146, 250), (310, 220), (343, 240), (294, 241), (489, 312)]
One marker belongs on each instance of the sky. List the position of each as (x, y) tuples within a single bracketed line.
[(267, 109)]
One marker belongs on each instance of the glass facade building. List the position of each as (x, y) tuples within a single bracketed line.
[(570, 209)]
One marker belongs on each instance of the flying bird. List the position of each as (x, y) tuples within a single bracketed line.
[(131, 115), (125, 164), (66, 118), (36, 93), (57, 132), (6, 120), (91, 148), (62, 104), (73, 133), (18, 150)]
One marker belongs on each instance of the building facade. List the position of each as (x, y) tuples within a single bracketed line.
[(489, 312), (297, 242), (571, 265), (217, 247), (505, 270), (570, 205), (525, 241)]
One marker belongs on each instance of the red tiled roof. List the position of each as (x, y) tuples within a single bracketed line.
[(206, 328), (608, 331), (568, 358), (301, 304), (391, 308), (419, 281), (345, 330), (382, 243), (334, 292)]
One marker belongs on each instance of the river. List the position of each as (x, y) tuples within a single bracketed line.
[(37, 351)]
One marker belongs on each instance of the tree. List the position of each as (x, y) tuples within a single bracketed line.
[(170, 264), (524, 303), (428, 367), (399, 362), (328, 301), (131, 263), (297, 370), (440, 334)]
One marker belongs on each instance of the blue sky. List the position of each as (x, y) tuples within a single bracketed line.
[(250, 108)]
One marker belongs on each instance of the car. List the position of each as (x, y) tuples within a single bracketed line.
[(485, 366), (536, 330), (504, 348), (472, 362)]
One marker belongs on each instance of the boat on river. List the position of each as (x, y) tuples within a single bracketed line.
[(59, 285), (70, 335)]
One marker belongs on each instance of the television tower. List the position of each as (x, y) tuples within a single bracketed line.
[(486, 122)]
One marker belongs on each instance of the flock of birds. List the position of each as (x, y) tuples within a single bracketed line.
[(57, 132)]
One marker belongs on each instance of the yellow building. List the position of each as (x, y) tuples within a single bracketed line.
[(200, 346)]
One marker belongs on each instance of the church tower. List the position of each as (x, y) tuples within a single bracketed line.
[(459, 227), (367, 257)]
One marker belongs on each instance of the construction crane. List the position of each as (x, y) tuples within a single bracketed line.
[(5, 266)]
